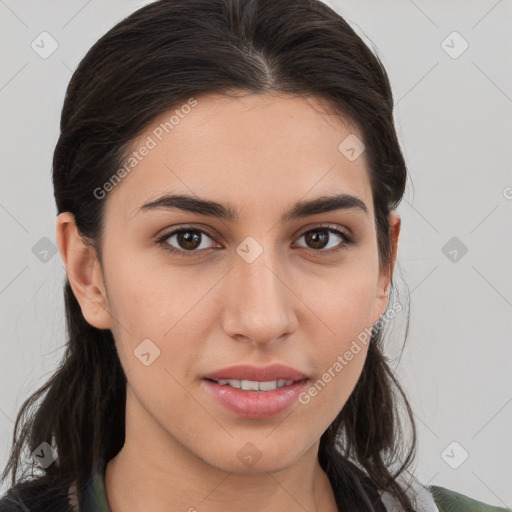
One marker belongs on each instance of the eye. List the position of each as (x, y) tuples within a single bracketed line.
[(319, 239), (190, 241)]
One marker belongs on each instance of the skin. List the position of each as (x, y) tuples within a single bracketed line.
[(296, 304)]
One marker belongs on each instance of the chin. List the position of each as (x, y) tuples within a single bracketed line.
[(247, 458)]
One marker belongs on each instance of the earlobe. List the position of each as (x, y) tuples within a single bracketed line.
[(84, 272)]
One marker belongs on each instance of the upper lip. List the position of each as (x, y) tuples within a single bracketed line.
[(253, 373)]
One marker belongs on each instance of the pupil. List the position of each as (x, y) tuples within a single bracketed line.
[(190, 241), (316, 236)]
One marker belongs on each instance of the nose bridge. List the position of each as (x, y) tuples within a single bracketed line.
[(261, 306)]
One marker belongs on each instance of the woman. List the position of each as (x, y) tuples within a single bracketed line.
[(226, 178)]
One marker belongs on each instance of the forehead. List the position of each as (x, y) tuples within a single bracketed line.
[(260, 150)]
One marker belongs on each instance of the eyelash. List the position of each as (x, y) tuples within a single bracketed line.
[(346, 240)]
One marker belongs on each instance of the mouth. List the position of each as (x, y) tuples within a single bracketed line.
[(253, 392), (254, 385)]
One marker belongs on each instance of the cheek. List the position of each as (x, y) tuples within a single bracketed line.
[(343, 298), (171, 307), (148, 298), (329, 391), (161, 322), (345, 304), (338, 361)]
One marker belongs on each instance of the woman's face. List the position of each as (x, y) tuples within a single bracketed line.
[(266, 285)]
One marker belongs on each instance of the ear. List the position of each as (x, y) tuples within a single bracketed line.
[(386, 274), (84, 272)]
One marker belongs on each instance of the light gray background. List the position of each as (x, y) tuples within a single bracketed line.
[(454, 121)]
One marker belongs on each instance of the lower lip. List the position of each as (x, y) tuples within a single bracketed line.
[(256, 404)]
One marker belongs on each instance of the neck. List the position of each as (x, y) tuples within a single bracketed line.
[(155, 472), (131, 485)]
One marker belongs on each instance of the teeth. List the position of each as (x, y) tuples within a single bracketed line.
[(254, 385), (249, 385), (268, 386)]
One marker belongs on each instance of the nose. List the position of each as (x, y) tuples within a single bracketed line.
[(260, 303)]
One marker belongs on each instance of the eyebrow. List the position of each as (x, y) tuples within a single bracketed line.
[(229, 212)]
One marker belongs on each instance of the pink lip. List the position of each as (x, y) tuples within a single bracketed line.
[(247, 372), (256, 404)]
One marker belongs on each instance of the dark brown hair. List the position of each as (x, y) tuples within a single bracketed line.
[(155, 59)]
